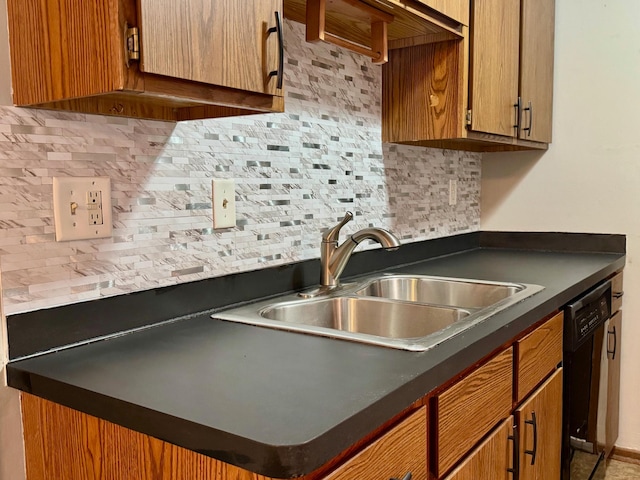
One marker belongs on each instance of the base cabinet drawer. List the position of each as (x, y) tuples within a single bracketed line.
[(471, 407), (538, 354), (401, 451)]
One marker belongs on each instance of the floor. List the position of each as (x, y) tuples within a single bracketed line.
[(615, 470)]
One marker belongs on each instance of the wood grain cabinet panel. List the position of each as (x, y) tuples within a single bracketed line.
[(539, 420), (612, 418), (492, 459), (201, 59), (221, 42), (538, 354), (402, 450), (468, 410), (456, 9), (536, 69), (65, 444), (495, 51)]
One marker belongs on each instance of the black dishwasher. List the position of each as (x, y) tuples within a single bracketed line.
[(583, 449)]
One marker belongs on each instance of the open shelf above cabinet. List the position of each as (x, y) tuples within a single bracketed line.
[(411, 22)]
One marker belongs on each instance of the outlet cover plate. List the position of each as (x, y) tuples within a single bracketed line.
[(82, 207), (223, 201)]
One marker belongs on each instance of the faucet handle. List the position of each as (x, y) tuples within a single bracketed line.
[(332, 234)]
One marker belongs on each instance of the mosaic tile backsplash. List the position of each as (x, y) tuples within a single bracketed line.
[(296, 173)]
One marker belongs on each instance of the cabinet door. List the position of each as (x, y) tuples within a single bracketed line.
[(492, 459), (495, 41), (539, 421), (217, 42), (614, 331), (536, 69)]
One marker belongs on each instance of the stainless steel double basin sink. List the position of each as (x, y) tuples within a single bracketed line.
[(409, 312)]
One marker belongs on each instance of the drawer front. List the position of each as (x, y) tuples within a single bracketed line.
[(538, 354), (616, 293), (400, 451), (469, 409)]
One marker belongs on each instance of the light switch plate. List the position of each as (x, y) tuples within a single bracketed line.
[(82, 207), (223, 201)]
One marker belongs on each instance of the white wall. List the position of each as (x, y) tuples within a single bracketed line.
[(589, 180)]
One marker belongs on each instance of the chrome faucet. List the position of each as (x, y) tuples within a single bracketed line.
[(334, 258)]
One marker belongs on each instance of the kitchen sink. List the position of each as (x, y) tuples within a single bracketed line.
[(409, 312), (370, 316), (439, 290)]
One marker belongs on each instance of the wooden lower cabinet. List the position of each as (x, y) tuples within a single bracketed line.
[(470, 408), (65, 444), (473, 429), (612, 384), (401, 451), (492, 459), (475, 422), (539, 421)]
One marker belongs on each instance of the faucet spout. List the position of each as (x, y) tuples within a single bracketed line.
[(334, 258)]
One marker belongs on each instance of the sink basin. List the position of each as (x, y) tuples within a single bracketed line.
[(439, 290), (409, 312), (367, 315)]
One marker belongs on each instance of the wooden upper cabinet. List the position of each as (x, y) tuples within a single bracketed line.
[(536, 69), (469, 98), (455, 9), (221, 42), (201, 58), (495, 37)]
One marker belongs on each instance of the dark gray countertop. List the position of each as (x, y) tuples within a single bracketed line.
[(279, 403)]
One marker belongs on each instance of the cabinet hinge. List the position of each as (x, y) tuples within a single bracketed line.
[(469, 117), (131, 43)]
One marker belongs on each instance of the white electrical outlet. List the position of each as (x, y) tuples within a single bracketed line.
[(223, 201), (82, 207), (453, 192)]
